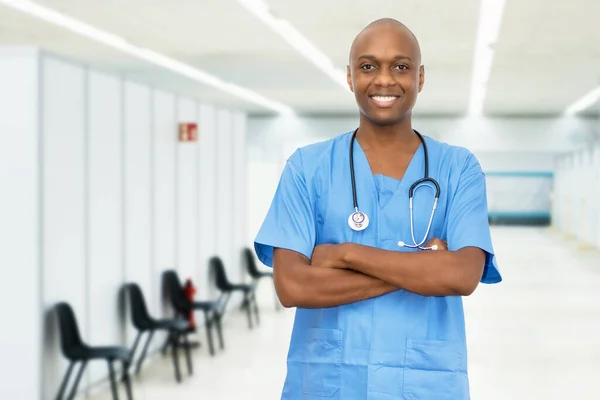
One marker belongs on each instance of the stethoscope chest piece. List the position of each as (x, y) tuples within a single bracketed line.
[(358, 221)]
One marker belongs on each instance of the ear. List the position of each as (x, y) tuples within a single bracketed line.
[(349, 78), (421, 77)]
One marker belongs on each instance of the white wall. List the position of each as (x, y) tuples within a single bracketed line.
[(164, 188), (239, 192), (187, 196), (104, 213), (504, 146), (207, 195), (138, 194), (20, 230), (489, 139), (120, 198), (576, 210), (64, 220), (225, 168)]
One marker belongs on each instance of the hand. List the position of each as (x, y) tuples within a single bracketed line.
[(327, 255), (441, 244)]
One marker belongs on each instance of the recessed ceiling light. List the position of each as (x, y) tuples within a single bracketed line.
[(116, 42), (260, 10), (490, 19), (584, 102)]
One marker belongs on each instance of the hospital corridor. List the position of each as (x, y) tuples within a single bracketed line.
[(299, 200), (520, 334)]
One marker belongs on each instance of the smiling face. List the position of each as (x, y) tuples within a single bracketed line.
[(385, 72)]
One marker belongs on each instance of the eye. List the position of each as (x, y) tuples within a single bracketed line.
[(402, 67), (367, 67)]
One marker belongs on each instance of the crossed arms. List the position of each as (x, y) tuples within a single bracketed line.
[(349, 272)]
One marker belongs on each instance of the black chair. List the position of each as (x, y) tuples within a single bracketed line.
[(227, 288), (256, 274), (182, 306), (75, 350), (143, 322)]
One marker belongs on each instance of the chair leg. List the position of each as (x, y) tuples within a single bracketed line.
[(134, 347), (144, 352), (174, 346), (188, 355), (255, 304), (65, 380), (219, 330), (248, 307), (77, 380), (127, 380), (113, 383), (208, 325), (165, 346)]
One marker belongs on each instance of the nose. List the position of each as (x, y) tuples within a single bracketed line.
[(384, 78)]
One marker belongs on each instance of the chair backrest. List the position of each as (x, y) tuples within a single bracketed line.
[(70, 338), (251, 266), (175, 291), (139, 311), (218, 271)]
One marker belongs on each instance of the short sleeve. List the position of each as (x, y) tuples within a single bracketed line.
[(468, 224), (289, 223)]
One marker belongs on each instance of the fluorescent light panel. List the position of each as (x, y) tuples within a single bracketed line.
[(584, 102), (290, 34), (106, 38), (490, 19)]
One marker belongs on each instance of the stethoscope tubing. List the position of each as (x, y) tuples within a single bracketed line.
[(411, 191)]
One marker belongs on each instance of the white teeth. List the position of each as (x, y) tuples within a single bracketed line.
[(382, 98)]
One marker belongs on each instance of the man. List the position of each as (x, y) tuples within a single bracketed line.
[(376, 318)]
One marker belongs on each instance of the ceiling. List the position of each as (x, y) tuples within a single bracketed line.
[(545, 56)]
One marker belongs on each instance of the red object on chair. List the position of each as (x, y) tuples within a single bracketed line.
[(190, 290)]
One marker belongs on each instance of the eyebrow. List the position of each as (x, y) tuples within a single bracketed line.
[(396, 58)]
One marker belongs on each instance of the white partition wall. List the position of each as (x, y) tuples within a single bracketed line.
[(164, 186), (64, 219), (587, 190), (568, 196), (578, 200), (577, 190), (187, 195), (596, 195), (104, 191), (138, 194), (225, 174), (207, 194), (20, 229), (98, 192), (556, 194), (239, 191)]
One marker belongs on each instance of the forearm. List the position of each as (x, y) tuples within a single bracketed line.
[(308, 286), (429, 273)]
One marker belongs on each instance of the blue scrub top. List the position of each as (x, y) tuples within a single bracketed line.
[(397, 346)]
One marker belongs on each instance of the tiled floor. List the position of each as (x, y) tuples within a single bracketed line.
[(535, 336)]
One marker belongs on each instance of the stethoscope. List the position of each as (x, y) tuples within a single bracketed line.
[(359, 221)]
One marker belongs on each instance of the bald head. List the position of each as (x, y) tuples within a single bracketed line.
[(385, 72), (387, 26)]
